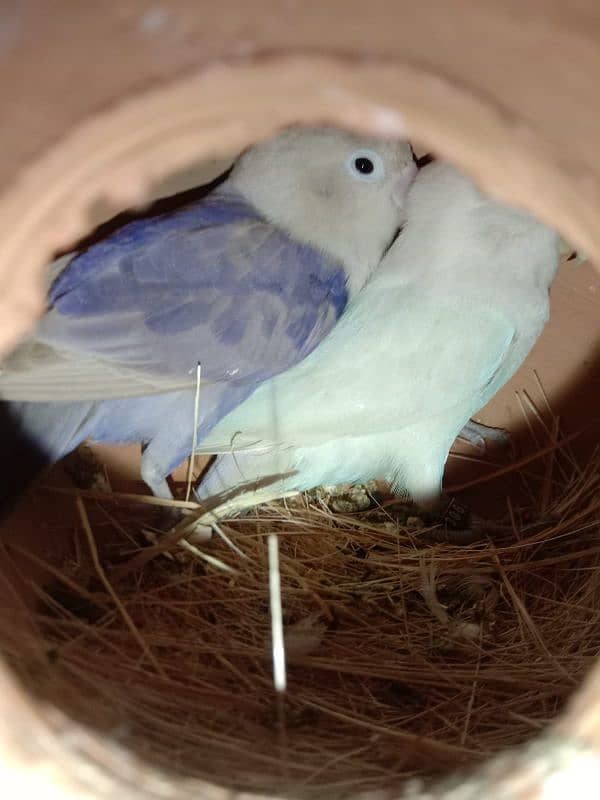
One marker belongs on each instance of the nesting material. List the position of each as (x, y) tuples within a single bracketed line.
[(403, 658)]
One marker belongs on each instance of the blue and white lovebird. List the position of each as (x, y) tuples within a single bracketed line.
[(447, 318), (245, 282)]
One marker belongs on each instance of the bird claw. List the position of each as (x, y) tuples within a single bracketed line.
[(200, 534), (482, 436), (85, 470), (456, 516), (461, 527), (170, 517)]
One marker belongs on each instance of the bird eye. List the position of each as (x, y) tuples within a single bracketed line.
[(365, 165)]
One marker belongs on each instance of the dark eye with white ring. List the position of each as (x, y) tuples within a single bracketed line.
[(365, 165)]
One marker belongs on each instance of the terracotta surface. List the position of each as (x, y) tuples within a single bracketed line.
[(109, 104), (198, 82)]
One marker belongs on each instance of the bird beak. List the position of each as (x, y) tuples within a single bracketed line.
[(402, 183), (576, 257)]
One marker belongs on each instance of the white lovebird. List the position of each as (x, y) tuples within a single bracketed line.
[(447, 318)]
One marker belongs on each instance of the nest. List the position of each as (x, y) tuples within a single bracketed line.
[(403, 658)]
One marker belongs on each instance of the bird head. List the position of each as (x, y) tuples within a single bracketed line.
[(338, 191)]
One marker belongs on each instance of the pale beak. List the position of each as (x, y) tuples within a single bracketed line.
[(402, 183)]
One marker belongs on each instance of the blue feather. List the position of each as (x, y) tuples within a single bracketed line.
[(213, 283), (164, 293)]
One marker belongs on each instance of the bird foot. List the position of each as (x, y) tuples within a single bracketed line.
[(85, 470), (459, 526), (482, 436), (169, 518)]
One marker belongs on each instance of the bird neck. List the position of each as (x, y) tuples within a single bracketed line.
[(335, 238)]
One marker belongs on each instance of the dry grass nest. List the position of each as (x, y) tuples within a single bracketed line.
[(403, 658)]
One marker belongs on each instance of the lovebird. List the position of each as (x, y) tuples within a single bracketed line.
[(236, 288), (446, 319)]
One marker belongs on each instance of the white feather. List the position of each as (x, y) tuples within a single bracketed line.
[(444, 322)]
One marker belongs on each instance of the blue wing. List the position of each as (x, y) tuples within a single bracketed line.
[(213, 283)]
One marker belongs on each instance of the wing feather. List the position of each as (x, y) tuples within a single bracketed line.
[(212, 283)]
